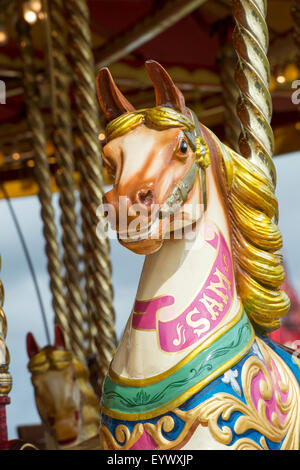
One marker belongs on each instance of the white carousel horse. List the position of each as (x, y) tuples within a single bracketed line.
[(195, 368), (66, 402)]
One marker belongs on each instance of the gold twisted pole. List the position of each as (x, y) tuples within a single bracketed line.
[(251, 41), (230, 96), (5, 377), (96, 250), (295, 11), (65, 180), (42, 175)]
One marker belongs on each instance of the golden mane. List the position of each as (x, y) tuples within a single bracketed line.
[(50, 358), (253, 211), (256, 240)]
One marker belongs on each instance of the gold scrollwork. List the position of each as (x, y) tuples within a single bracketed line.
[(123, 435), (253, 417)]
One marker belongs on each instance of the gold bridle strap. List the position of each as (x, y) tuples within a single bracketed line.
[(182, 189)]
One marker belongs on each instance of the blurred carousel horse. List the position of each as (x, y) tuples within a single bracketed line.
[(65, 400), (195, 368)]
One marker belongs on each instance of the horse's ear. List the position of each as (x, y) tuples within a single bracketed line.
[(166, 92), (59, 339), (112, 101), (31, 345)]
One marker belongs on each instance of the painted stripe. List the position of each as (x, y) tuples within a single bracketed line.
[(141, 402)]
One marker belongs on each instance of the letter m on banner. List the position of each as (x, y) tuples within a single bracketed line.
[(2, 92)]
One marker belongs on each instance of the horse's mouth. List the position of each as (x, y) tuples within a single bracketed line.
[(157, 229), (147, 232), (67, 431), (67, 442)]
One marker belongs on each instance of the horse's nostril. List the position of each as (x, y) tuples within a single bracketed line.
[(145, 197)]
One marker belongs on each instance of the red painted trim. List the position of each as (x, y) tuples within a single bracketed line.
[(3, 425)]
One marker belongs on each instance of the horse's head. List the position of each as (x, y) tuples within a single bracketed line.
[(154, 155), (57, 393), (160, 160)]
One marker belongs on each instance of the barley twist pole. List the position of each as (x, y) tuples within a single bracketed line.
[(295, 11), (42, 175), (98, 268), (65, 180), (230, 96), (252, 74)]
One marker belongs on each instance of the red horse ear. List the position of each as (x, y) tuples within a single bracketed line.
[(112, 101), (59, 339), (31, 345), (166, 92)]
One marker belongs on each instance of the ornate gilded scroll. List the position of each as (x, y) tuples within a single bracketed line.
[(252, 75), (65, 179), (42, 174), (96, 251)]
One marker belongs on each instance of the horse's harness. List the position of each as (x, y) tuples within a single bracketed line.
[(201, 161)]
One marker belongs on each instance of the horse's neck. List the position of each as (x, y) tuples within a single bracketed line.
[(50, 442), (177, 271)]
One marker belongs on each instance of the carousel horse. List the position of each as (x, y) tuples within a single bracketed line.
[(66, 402), (195, 368)]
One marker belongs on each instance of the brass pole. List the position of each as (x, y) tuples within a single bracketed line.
[(96, 251), (230, 94), (252, 75), (42, 175), (295, 11), (65, 179)]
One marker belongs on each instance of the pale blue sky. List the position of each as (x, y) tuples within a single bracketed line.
[(21, 305)]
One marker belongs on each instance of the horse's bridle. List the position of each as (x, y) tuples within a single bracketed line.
[(182, 189)]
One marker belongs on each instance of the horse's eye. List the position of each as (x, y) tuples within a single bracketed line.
[(183, 146), (74, 377)]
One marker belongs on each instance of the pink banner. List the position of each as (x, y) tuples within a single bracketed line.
[(203, 314)]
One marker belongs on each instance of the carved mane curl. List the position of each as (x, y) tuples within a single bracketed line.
[(256, 240)]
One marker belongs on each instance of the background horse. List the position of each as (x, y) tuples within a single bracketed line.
[(191, 372), (65, 400)]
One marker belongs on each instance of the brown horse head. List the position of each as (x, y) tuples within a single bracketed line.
[(57, 393), (150, 155)]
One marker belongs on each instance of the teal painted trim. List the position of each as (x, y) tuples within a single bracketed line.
[(125, 399)]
